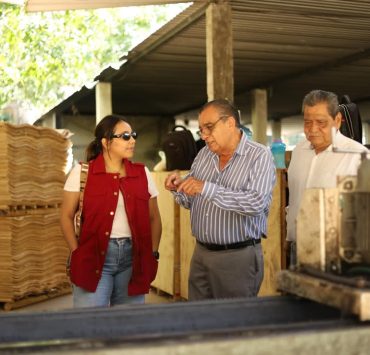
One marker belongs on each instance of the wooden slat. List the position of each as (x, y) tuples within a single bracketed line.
[(272, 246), (33, 161), (32, 299), (165, 274), (33, 254)]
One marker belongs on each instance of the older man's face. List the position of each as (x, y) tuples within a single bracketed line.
[(215, 129), (318, 125)]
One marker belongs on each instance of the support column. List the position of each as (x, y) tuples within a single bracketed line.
[(219, 47), (50, 121), (366, 130), (276, 129), (259, 115), (103, 96)]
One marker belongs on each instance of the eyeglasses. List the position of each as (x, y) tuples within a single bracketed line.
[(125, 135), (208, 128)]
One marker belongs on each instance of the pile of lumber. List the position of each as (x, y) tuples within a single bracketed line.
[(33, 253), (32, 165)]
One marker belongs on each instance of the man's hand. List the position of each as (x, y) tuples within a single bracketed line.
[(191, 186), (172, 181)]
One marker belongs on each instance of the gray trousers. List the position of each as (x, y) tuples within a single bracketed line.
[(225, 274)]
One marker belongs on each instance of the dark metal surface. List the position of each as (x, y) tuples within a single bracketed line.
[(128, 324)]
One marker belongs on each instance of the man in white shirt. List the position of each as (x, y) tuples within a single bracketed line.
[(313, 163)]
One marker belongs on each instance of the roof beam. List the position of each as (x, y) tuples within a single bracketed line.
[(365, 53)]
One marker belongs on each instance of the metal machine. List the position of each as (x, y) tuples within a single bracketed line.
[(333, 227), (333, 245)]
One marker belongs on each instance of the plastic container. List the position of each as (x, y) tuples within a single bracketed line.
[(278, 152)]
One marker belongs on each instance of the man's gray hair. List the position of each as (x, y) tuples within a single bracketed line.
[(224, 108), (315, 97)]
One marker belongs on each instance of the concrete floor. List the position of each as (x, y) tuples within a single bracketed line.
[(66, 302)]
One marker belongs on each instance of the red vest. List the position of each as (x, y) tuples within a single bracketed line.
[(99, 206)]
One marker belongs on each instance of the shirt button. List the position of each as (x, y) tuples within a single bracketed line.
[(97, 272), (111, 213), (102, 253), (115, 177), (115, 193), (107, 233)]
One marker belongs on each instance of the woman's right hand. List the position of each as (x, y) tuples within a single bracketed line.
[(67, 214)]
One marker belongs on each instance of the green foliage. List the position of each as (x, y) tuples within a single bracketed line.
[(47, 56)]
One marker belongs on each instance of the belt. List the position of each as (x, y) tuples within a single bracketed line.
[(217, 247)]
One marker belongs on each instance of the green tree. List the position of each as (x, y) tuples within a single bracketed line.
[(46, 56)]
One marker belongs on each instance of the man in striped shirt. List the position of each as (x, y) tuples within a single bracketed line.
[(228, 191)]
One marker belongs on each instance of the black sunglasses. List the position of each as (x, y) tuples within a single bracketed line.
[(125, 135)]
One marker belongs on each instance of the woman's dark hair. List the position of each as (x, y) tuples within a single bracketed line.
[(224, 108), (104, 129)]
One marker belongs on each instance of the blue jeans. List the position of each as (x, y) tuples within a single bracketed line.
[(113, 286)]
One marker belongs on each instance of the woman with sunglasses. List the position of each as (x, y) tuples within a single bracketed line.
[(115, 258)]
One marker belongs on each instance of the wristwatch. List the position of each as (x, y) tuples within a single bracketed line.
[(156, 254)]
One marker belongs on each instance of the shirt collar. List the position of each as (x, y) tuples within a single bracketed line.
[(98, 166), (241, 149)]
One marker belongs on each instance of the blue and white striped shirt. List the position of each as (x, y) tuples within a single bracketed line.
[(235, 202)]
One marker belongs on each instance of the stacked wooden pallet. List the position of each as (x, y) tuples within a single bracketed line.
[(33, 252), (32, 165)]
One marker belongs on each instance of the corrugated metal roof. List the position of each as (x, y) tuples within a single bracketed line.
[(288, 47)]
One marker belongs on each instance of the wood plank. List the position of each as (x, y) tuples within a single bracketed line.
[(165, 276), (272, 245), (176, 252), (187, 245), (348, 299), (33, 254), (32, 299)]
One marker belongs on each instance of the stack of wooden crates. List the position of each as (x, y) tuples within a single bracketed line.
[(33, 252)]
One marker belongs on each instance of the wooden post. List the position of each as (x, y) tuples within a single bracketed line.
[(219, 47), (259, 115), (366, 128), (103, 96), (50, 120), (176, 252)]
